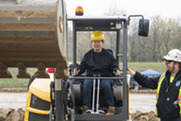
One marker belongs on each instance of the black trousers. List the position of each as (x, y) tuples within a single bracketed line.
[(172, 119)]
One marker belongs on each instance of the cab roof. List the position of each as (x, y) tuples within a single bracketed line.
[(105, 23)]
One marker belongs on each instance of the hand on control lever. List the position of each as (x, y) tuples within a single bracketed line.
[(116, 72)]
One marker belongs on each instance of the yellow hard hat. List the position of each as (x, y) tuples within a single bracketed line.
[(97, 36)]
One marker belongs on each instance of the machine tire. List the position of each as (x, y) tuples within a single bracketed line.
[(68, 102)]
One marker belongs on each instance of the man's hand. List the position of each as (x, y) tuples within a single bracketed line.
[(76, 71), (117, 73), (131, 72)]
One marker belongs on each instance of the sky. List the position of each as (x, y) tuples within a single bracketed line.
[(147, 8)]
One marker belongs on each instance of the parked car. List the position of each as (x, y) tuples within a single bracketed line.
[(132, 83)]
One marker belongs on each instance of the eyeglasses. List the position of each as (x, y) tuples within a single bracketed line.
[(167, 61)]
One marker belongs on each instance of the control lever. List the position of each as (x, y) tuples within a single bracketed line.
[(93, 97)]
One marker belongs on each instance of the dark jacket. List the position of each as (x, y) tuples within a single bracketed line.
[(168, 93), (98, 63)]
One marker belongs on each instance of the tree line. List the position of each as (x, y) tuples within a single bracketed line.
[(164, 35)]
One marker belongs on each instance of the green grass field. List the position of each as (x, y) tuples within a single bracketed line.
[(22, 83), (142, 66), (15, 82)]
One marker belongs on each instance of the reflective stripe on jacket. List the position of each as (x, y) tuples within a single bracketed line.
[(158, 89), (167, 103), (179, 100), (176, 103)]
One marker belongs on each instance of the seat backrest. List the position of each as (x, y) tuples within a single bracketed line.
[(110, 51)]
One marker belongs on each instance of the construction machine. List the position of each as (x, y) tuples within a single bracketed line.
[(113, 24), (36, 36)]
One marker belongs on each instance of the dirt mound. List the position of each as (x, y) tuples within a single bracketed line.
[(18, 115), (11, 114), (139, 116)]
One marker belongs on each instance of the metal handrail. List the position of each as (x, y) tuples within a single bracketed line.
[(85, 77)]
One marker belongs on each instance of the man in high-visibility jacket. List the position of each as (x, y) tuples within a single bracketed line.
[(168, 85)]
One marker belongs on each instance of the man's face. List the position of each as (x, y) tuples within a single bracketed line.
[(171, 66), (97, 46)]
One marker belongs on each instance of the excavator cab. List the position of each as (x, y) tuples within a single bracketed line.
[(117, 25)]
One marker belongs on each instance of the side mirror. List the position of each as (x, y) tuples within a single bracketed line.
[(143, 27)]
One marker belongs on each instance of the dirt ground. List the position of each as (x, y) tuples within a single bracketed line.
[(13, 101)]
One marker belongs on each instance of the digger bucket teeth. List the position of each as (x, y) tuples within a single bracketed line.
[(32, 36)]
